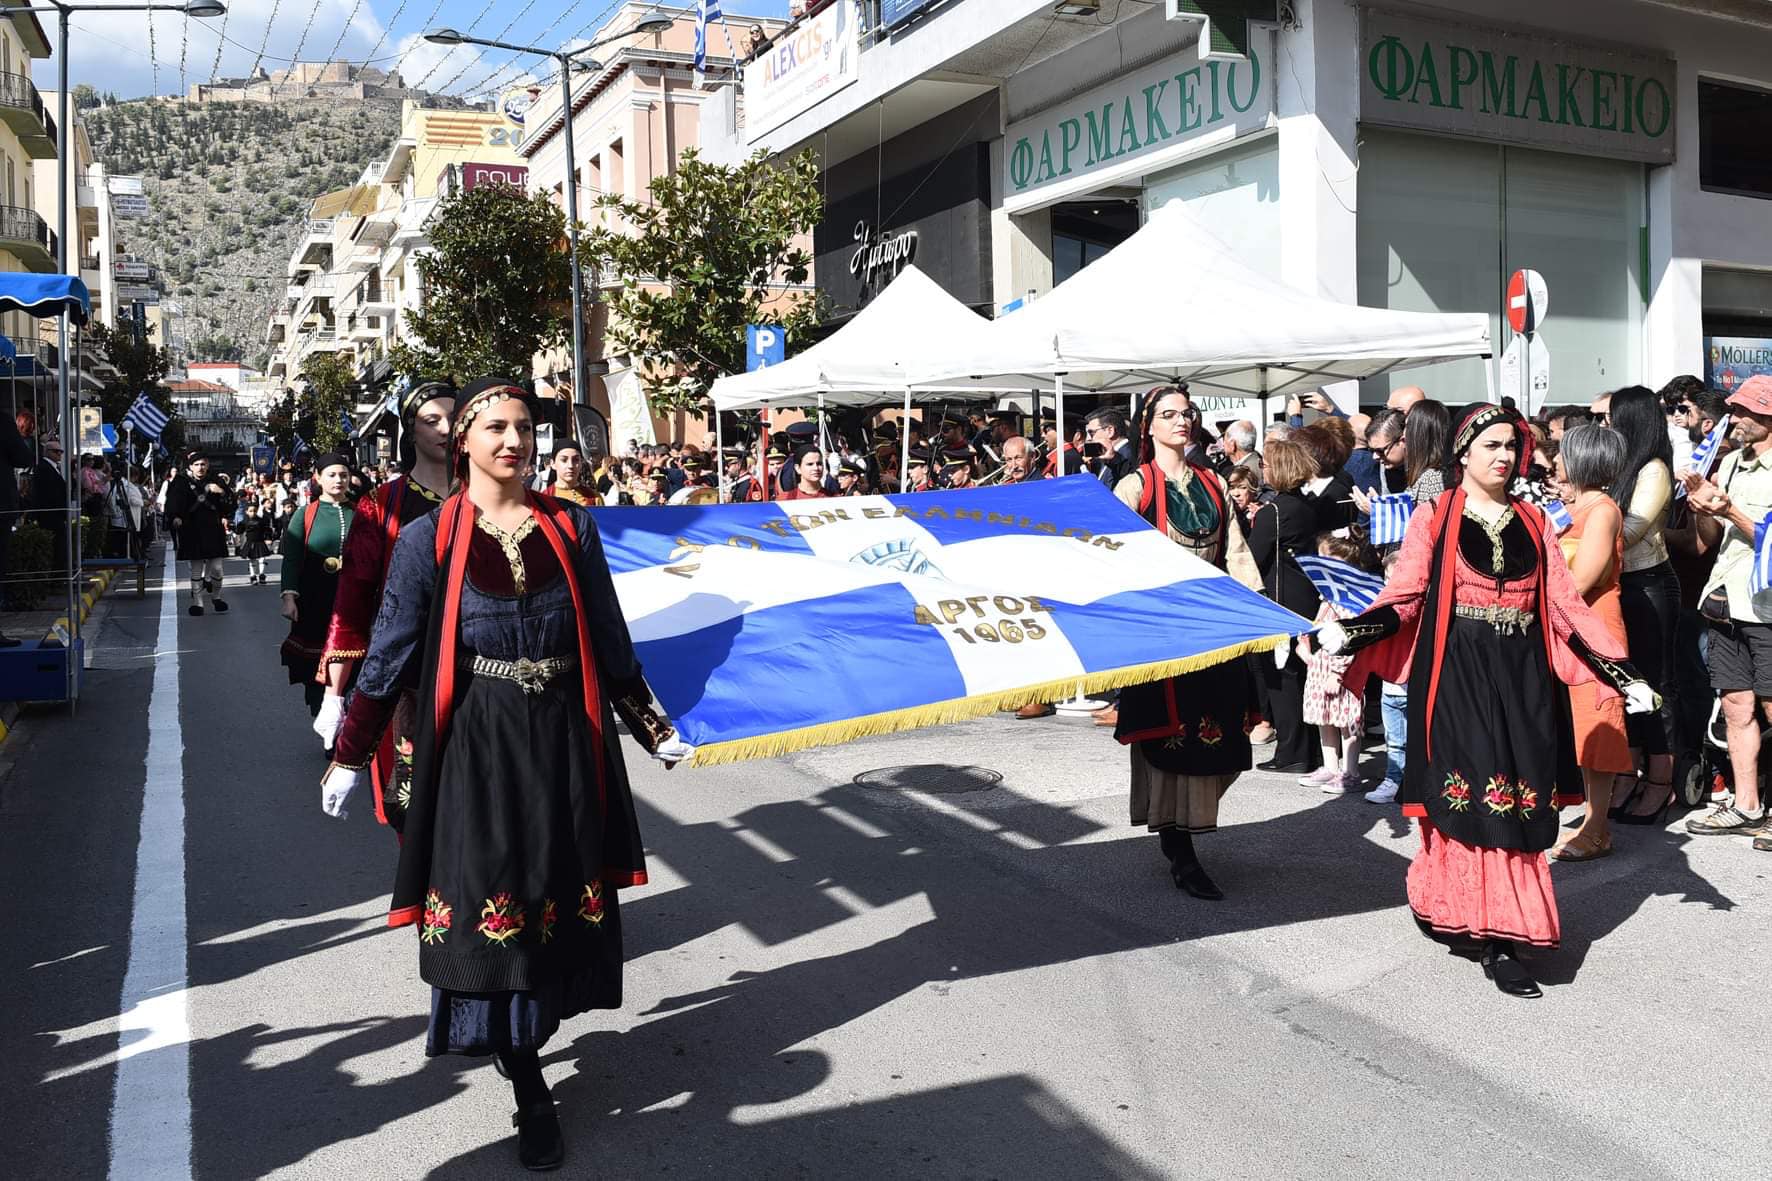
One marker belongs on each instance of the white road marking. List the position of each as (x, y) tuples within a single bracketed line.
[(151, 1106)]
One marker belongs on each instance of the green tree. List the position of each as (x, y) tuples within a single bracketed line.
[(496, 287), (718, 240), (332, 391), (280, 424), (141, 366)]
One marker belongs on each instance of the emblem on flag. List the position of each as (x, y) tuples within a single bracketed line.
[(1390, 518), (146, 418), (1343, 586)]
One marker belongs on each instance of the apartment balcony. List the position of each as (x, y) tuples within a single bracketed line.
[(315, 248), (28, 236), (22, 109), (277, 331), (409, 226)]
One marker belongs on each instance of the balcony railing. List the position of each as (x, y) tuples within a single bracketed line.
[(22, 109), (27, 234)]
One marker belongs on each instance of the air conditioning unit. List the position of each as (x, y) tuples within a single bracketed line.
[(1226, 26)]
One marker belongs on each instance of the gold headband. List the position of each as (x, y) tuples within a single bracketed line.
[(480, 401)]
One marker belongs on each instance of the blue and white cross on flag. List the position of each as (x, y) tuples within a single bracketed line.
[(769, 628), (1390, 518), (145, 418), (1760, 577), (350, 427), (1706, 454), (706, 13), (1343, 586)]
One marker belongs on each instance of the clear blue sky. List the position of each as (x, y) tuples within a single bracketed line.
[(133, 55)]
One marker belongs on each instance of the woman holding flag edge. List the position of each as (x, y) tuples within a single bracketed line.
[(1483, 619)]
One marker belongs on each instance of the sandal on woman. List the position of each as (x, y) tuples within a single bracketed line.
[(1644, 790), (1583, 847)]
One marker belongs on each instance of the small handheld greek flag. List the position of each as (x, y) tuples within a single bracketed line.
[(145, 417), (1760, 577), (1343, 586), (350, 427), (1558, 512), (1390, 518), (1706, 454)]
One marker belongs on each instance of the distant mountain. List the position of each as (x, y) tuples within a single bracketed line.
[(228, 188)]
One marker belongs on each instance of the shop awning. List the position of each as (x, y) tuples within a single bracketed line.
[(867, 361), (1173, 303), (44, 295)]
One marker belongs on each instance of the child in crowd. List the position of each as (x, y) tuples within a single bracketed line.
[(253, 541), (1334, 710), (1394, 707)]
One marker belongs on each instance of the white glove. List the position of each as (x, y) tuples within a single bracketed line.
[(329, 719), (1639, 698), (336, 788), (1282, 654), (673, 750)]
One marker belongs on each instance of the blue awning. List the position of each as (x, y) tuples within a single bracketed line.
[(44, 295)]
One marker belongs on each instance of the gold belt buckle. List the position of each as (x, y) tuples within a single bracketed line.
[(334, 565)]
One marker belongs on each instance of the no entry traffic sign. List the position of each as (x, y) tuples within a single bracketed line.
[(1527, 301)]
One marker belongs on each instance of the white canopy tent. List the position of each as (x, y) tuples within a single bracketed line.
[(912, 318), (1173, 303)]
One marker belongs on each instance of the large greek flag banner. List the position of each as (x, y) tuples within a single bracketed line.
[(767, 628)]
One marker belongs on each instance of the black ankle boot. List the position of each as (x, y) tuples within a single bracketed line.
[(1509, 974), (1184, 867), (540, 1146)]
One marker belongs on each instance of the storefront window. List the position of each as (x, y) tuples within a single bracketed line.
[(1443, 223), (1734, 125), (1235, 194)]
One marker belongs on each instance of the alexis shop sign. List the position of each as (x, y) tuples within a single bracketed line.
[(1524, 88), (1135, 123)]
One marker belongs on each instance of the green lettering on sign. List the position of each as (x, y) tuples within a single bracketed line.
[(1098, 135)]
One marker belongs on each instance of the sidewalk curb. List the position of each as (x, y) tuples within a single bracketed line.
[(96, 586)]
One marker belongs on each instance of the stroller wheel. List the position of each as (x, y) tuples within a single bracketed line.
[(1694, 783)]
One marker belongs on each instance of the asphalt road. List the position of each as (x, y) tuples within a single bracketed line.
[(923, 973)]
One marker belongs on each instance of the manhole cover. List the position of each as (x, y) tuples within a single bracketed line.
[(936, 778)]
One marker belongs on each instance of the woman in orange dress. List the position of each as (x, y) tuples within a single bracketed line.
[(1590, 460)]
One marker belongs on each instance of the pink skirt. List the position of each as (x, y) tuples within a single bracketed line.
[(1460, 889)]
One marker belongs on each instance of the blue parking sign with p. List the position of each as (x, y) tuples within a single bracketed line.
[(765, 345)]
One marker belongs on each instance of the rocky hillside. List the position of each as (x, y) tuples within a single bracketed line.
[(228, 189)]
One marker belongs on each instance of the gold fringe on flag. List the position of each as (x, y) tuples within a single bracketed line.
[(960, 709)]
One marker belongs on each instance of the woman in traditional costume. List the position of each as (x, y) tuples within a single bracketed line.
[(424, 458), (1188, 735), (312, 547), (1482, 618), (521, 826), (808, 475)]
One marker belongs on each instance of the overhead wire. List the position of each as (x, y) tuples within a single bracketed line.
[(345, 30), (443, 87), (153, 62), (220, 38), (389, 28), (487, 83), (298, 48), (184, 48), (269, 22), (487, 11)]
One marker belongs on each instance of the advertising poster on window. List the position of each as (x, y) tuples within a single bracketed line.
[(1731, 360)]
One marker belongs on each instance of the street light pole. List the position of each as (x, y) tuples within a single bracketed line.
[(580, 384), (652, 21)]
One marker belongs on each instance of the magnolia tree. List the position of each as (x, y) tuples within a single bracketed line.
[(699, 261)]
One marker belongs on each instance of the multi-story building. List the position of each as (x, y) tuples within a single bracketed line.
[(1407, 156), (352, 276), (27, 135), (631, 120), (213, 418), (92, 247)]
